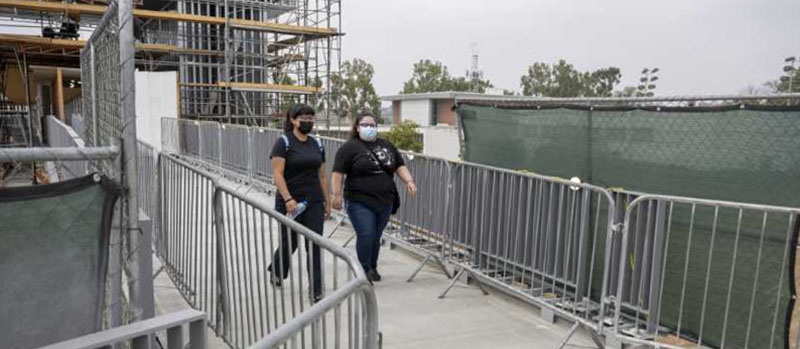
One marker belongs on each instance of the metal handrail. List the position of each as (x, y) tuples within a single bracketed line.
[(358, 284), (142, 331), (59, 154)]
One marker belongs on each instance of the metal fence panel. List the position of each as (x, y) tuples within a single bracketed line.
[(250, 237), (210, 142), (235, 150), (189, 137), (61, 135), (217, 244), (186, 241), (263, 139), (538, 235), (706, 272), (148, 177), (170, 135)]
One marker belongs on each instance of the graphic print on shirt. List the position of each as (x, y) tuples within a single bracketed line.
[(381, 158)]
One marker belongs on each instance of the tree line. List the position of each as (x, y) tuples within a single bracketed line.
[(353, 90)]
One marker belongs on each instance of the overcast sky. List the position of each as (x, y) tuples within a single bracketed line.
[(700, 46)]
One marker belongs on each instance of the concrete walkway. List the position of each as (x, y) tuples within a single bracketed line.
[(412, 315)]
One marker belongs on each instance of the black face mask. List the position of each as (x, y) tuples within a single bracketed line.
[(306, 127)]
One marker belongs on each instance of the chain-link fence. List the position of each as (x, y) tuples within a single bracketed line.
[(107, 73)]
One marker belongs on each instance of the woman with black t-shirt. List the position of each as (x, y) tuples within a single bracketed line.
[(369, 164), (297, 160)]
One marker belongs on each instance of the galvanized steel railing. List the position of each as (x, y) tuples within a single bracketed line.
[(595, 256), (217, 243), (707, 242), (61, 135), (142, 334)]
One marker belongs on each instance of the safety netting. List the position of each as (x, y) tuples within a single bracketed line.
[(54, 244)]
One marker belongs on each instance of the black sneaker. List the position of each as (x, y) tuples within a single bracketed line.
[(373, 275)]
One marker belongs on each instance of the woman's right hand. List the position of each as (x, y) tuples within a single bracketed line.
[(337, 202), (291, 207)]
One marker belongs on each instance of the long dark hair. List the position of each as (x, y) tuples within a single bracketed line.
[(293, 112), (361, 116)]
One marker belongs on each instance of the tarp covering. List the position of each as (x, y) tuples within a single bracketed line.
[(53, 258), (740, 153), (735, 153)]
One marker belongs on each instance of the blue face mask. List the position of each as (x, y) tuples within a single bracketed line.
[(367, 133)]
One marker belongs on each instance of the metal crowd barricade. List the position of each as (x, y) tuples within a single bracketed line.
[(560, 245), (186, 240), (439, 225), (262, 141), (702, 272), (236, 148), (189, 137), (148, 181), (62, 135), (218, 245), (536, 236), (170, 135), (210, 142), (249, 238), (422, 223)]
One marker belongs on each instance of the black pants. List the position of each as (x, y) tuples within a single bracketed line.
[(313, 218)]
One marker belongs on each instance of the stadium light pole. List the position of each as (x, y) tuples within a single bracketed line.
[(647, 82), (791, 74)]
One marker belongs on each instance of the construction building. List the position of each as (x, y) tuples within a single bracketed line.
[(237, 61)]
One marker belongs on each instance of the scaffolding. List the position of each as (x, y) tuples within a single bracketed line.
[(245, 61), (238, 61)]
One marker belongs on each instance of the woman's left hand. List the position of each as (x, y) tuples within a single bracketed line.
[(327, 210), (411, 188)]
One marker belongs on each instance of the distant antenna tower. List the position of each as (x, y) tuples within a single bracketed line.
[(474, 74)]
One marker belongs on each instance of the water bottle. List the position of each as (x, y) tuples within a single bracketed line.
[(300, 208)]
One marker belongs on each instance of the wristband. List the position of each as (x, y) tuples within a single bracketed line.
[(287, 201)]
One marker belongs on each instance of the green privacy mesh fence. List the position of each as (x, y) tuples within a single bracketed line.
[(749, 154), (744, 154), (53, 259)]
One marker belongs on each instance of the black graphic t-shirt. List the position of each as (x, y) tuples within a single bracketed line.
[(303, 160), (363, 165)]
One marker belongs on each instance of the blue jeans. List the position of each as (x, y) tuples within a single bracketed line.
[(368, 224)]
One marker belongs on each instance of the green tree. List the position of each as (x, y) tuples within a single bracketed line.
[(601, 82), (561, 79), (429, 76), (627, 91), (404, 136), (353, 91)]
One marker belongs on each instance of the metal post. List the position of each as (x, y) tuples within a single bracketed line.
[(140, 247), (94, 93), (227, 74), (30, 110)]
